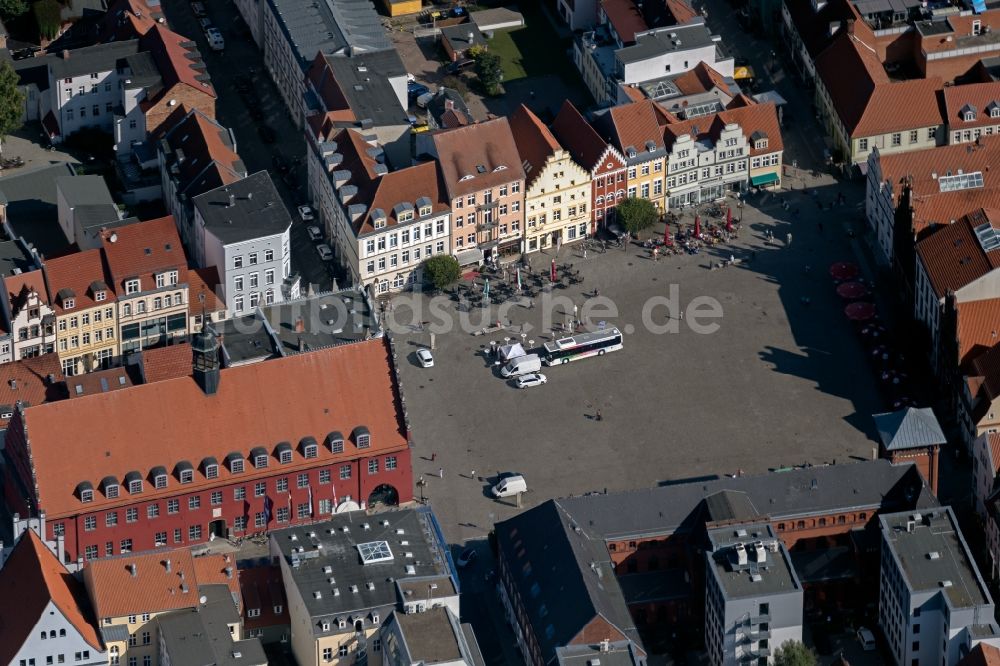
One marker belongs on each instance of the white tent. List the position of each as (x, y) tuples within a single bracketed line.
[(510, 351)]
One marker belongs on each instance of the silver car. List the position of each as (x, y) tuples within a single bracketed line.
[(531, 379), (425, 358), (325, 253)]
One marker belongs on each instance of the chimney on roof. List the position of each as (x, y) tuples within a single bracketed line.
[(132, 570), (229, 572), (65, 54), (232, 199), (471, 37), (850, 27), (13, 384), (300, 326), (166, 565)]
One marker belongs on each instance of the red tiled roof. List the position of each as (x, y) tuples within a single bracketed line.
[(680, 10), (978, 327), (947, 207), (217, 570), (169, 362), (452, 118), (700, 79), (978, 97), (32, 577), (115, 592), (141, 249), (759, 118), (814, 28), (27, 380), (489, 145), (901, 105), (581, 139), (176, 62), (84, 275), (987, 366), (922, 168), (99, 381), (982, 655), (127, 19), (20, 285), (633, 93), (634, 125), (535, 143), (205, 281), (263, 404), (209, 158), (953, 256), (262, 590), (625, 17)]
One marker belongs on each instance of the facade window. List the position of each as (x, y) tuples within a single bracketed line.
[(302, 481), (239, 493), (194, 533), (268, 255), (90, 523), (90, 552), (390, 463), (126, 546), (173, 506), (253, 259), (194, 502), (324, 476), (216, 498), (131, 515), (345, 472), (302, 510), (283, 514), (259, 489), (111, 519), (153, 511), (897, 138), (281, 485), (373, 466)]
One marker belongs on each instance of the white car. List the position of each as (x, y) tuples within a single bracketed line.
[(315, 233), (325, 253), (306, 213), (531, 379), (425, 358), (867, 639)]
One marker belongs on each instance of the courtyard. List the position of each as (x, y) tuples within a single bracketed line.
[(780, 383)]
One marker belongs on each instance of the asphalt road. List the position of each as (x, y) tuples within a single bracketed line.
[(242, 58)]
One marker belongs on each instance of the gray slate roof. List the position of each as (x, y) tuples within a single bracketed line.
[(369, 93), (330, 26), (90, 59), (657, 43), (621, 653), (350, 595), (32, 209), (247, 209), (84, 191), (14, 255), (909, 428), (201, 637)]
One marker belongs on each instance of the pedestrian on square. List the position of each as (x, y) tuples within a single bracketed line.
[(433, 456), (472, 475), (788, 240), (584, 253), (440, 472), (598, 416)]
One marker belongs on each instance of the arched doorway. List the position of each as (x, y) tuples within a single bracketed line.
[(384, 494)]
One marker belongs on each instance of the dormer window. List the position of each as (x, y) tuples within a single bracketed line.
[(362, 437), (100, 296), (309, 447), (341, 623), (630, 151), (169, 278), (375, 618), (466, 177), (336, 442), (159, 475), (185, 472), (405, 216), (85, 491), (110, 486), (380, 224), (259, 456), (210, 468), (500, 167), (994, 110), (760, 144), (133, 480), (969, 116), (284, 453), (69, 303), (132, 286), (235, 462)]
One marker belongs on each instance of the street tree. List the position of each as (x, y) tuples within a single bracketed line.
[(794, 653), (637, 214), (489, 69), (11, 102), (48, 16), (11, 9), (441, 270)]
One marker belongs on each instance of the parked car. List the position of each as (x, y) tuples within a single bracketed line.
[(425, 358), (267, 133), (507, 487), (467, 557), (415, 90), (325, 253), (215, 40), (867, 639), (315, 233), (306, 213), (198, 9), (531, 379), (457, 12)]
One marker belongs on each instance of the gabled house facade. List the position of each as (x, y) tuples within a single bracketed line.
[(634, 130), (606, 166), (979, 409), (32, 319), (557, 189), (971, 111)]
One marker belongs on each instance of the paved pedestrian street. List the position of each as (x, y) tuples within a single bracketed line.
[(780, 383)]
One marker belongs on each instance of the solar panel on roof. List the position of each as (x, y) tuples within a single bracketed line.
[(374, 552), (962, 181)]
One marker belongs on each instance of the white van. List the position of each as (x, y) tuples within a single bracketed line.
[(509, 486), (215, 39), (521, 365)]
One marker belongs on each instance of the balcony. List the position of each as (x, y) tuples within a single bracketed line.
[(489, 205), (487, 226)]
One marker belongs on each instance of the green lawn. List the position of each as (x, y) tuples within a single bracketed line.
[(531, 50)]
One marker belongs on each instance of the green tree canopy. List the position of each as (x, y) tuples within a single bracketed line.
[(489, 70), (637, 214), (794, 653), (11, 9), (48, 15), (441, 270), (11, 102)]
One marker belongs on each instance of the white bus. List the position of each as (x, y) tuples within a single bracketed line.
[(583, 345)]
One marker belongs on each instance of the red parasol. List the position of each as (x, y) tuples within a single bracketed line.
[(697, 226), (852, 291), (666, 232), (552, 273), (843, 271), (729, 220), (860, 311)]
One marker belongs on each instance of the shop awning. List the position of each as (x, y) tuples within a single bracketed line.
[(469, 257), (764, 179)]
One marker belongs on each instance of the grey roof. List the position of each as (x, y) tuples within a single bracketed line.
[(655, 586), (817, 566), (330, 26), (327, 319), (446, 98), (729, 505), (114, 634), (930, 552), (459, 35), (909, 428), (767, 570), (247, 209), (201, 637), (364, 79), (144, 72), (621, 653), (431, 637), (34, 71), (563, 574), (84, 190), (32, 208), (660, 41), (806, 491), (15, 255), (90, 59), (359, 588)]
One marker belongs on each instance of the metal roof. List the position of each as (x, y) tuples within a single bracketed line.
[(909, 428)]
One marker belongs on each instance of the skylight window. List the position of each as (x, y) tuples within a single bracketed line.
[(962, 181), (374, 552)]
